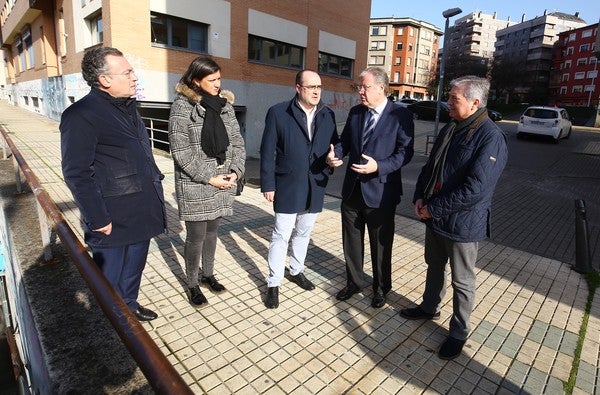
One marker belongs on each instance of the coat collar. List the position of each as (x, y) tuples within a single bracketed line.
[(194, 97)]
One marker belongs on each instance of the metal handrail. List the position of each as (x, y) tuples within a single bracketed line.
[(161, 375)]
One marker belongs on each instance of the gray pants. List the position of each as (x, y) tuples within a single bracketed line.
[(462, 256), (201, 241)]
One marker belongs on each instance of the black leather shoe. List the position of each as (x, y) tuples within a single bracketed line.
[(302, 281), (417, 313), (197, 298), (451, 348), (144, 314), (346, 293), (212, 282), (272, 301), (379, 299)]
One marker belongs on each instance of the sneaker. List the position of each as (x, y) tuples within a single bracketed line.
[(197, 298), (272, 301), (417, 313), (212, 282)]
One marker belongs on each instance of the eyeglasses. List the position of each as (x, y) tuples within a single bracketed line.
[(359, 88), (127, 74), (312, 87)]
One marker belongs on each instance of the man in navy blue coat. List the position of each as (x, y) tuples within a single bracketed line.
[(108, 165), (293, 175), (453, 196), (378, 139)]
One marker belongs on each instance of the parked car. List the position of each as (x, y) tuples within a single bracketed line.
[(545, 121), (426, 110), (405, 102)]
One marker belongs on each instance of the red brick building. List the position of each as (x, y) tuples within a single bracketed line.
[(575, 79)]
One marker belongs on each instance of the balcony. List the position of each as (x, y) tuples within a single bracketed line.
[(22, 13)]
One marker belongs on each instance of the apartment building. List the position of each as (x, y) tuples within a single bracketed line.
[(575, 73), (408, 50), (529, 45), (475, 35), (259, 44)]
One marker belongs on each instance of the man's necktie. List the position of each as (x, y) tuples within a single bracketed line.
[(369, 126)]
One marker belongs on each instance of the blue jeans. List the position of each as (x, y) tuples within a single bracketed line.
[(123, 266)]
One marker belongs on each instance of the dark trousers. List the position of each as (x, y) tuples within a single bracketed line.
[(123, 266), (381, 226)]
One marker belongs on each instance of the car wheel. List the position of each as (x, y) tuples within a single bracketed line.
[(556, 139), (569, 134)]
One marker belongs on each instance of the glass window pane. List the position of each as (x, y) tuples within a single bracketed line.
[(158, 29), (198, 38), (179, 36), (296, 57), (268, 51), (323, 59)]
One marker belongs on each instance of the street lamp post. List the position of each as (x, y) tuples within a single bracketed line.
[(449, 13)]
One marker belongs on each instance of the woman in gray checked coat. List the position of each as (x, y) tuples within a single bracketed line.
[(209, 155)]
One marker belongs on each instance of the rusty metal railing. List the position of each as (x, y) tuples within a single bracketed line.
[(161, 375)]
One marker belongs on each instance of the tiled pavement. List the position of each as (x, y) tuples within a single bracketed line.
[(526, 321)]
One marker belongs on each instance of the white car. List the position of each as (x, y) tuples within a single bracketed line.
[(545, 121)]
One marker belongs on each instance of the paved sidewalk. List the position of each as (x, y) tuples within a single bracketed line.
[(526, 320)]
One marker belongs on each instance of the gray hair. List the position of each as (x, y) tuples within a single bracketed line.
[(475, 88), (93, 64), (379, 75)]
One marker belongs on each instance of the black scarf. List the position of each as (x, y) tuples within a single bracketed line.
[(435, 166), (214, 140)]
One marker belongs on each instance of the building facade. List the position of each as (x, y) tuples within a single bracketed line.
[(475, 35), (529, 45), (575, 74), (408, 50), (259, 44)]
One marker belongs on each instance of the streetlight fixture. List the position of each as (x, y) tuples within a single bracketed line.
[(449, 13)]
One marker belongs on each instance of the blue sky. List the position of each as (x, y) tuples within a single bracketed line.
[(431, 11)]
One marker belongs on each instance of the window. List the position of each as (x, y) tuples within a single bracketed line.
[(400, 31), (378, 60), (411, 31), (377, 45), (584, 48), (335, 65), (398, 46), (410, 47), (568, 64), (592, 60), (589, 88), (170, 31), (22, 63), (407, 78), (570, 51), (277, 53), (28, 48), (577, 89), (396, 76), (409, 61), (592, 74), (586, 33), (563, 90), (96, 28), (565, 77), (580, 75), (378, 30), (398, 61), (581, 62), (572, 36)]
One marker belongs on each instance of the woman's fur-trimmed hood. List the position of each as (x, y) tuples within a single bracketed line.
[(196, 98)]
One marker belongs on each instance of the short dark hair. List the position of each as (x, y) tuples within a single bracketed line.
[(93, 64), (300, 75), (198, 69)]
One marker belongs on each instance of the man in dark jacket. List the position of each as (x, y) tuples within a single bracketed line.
[(108, 165), (453, 196), (293, 175), (378, 139)]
